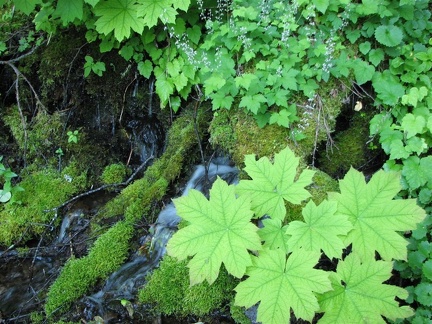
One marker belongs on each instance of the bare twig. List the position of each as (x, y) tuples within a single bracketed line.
[(87, 193)]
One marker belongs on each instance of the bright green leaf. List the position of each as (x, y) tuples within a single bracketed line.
[(376, 56), (214, 83), (417, 145), (282, 284), (26, 6), (92, 2), (68, 10), (321, 5), (274, 183), (363, 71), (322, 229), (181, 4), (253, 103), (221, 100), (245, 80), (365, 47), (153, 10), (388, 87), (164, 88), (145, 68), (274, 234), (413, 124), (219, 230), (119, 16), (389, 35), (359, 295), (376, 217)]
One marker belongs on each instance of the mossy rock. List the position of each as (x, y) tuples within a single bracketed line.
[(135, 202), (108, 252), (43, 190), (114, 173), (169, 290), (237, 132), (350, 149)]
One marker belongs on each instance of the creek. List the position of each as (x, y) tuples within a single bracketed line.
[(24, 280)]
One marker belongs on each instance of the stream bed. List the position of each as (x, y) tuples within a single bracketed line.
[(24, 279)]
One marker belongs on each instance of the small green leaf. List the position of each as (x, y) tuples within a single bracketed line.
[(253, 103), (245, 80), (365, 47), (321, 5), (363, 71), (164, 88), (387, 87), (389, 35), (221, 100), (214, 83), (416, 145), (413, 124), (376, 56), (145, 68), (153, 10)]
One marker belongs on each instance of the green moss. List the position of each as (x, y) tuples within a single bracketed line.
[(169, 290), (238, 315), (350, 148), (134, 202), (114, 173), (108, 252), (44, 135), (138, 198), (43, 190)]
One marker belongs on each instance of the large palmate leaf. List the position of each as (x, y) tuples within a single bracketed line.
[(376, 217), (153, 10), (219, 231), (119, 16), (321, 230), (280, 284), (272, 183), (69, 10), (359, 296)]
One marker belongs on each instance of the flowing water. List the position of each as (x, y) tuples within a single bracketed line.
[(123, 284), (23, 279)]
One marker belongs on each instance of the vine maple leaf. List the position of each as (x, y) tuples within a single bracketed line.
[(321, 230), (219, 230), (118, 16), (359, 296), (272, 183), (375, 215), (280, 284)]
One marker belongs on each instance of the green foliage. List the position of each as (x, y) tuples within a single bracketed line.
[(223, 225), (359, 296), (283, 284), (90, 65), (7, 194), (276, 182), (114, 173), (283, 275), (73, 136), (169, 289)]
